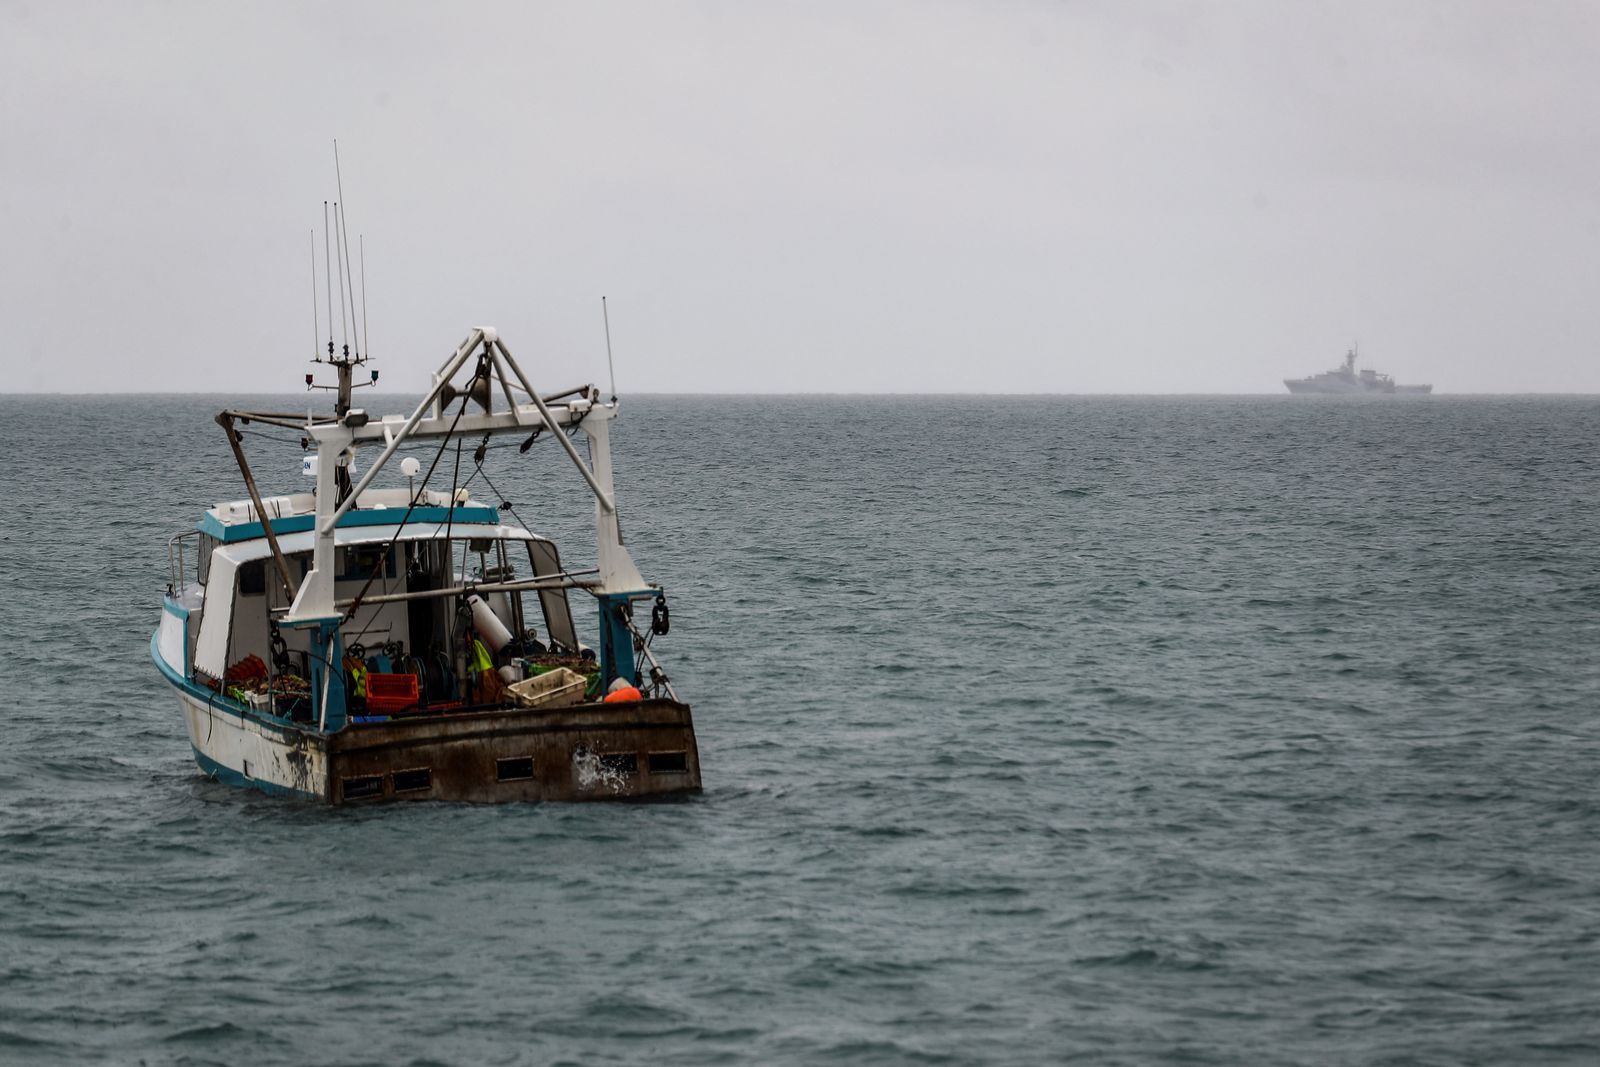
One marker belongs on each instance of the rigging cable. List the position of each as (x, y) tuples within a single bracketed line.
[(506, 505), (445, 443)]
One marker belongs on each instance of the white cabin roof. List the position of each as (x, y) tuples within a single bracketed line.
[(237, 522), (258, 548)]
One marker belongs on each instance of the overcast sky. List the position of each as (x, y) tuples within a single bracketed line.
[(809, 197)]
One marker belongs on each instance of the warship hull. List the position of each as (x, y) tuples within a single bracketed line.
[(1345, 380)]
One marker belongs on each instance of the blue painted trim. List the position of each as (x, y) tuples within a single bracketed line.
[(228, 776), (327, 655), (248, 531), (616, 640)]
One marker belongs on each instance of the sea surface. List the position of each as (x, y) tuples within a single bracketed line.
[(1034, 731)]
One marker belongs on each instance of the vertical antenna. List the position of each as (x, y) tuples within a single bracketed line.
[(609, 365), (345, 235), (316, 323), (327, 275), (361, 243), (344, 327), (349, 276)]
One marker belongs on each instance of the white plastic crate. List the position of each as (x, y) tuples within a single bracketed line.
[(552, 689)]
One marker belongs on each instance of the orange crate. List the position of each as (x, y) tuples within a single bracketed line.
[(391, 692)]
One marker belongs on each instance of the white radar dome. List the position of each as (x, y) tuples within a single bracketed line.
[(409, 466)]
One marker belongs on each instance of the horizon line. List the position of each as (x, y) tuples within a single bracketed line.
[(822, 393)]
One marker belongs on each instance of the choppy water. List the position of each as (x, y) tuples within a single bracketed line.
[(1118, 731)]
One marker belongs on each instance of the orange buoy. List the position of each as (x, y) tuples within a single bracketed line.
[(621, 693)]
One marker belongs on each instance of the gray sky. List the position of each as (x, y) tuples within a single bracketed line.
[(897, 196)]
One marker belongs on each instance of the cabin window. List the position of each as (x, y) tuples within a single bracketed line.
[(357, 563), (516, 769), (253, 578), (208, 545), (558, 629), (413, 780), (669, 762), (368, 785)]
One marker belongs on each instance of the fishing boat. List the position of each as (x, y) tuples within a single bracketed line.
[(369, 642)]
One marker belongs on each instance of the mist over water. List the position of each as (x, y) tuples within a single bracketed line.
[(1033, 730)]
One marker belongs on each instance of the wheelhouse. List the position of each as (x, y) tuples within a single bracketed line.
[(394, 582)]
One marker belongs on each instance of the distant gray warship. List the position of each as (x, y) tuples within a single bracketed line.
[(1347, 381)]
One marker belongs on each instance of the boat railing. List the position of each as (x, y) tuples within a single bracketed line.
[(179, 567)]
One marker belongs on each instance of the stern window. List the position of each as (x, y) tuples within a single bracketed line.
[(516, 769), (669, 762), (620, 762), (412, 780), (370, 785)]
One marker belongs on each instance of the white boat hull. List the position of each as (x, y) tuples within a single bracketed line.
[(239, 750), (231, 745)]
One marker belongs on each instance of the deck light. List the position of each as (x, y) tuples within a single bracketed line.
[(409, 467)]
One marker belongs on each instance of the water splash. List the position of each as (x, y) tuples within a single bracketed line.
[(595, 772)]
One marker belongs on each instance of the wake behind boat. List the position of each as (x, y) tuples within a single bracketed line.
[(1345, 380), (361, 643)]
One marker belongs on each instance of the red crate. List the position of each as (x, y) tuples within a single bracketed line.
[(391, 692)]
